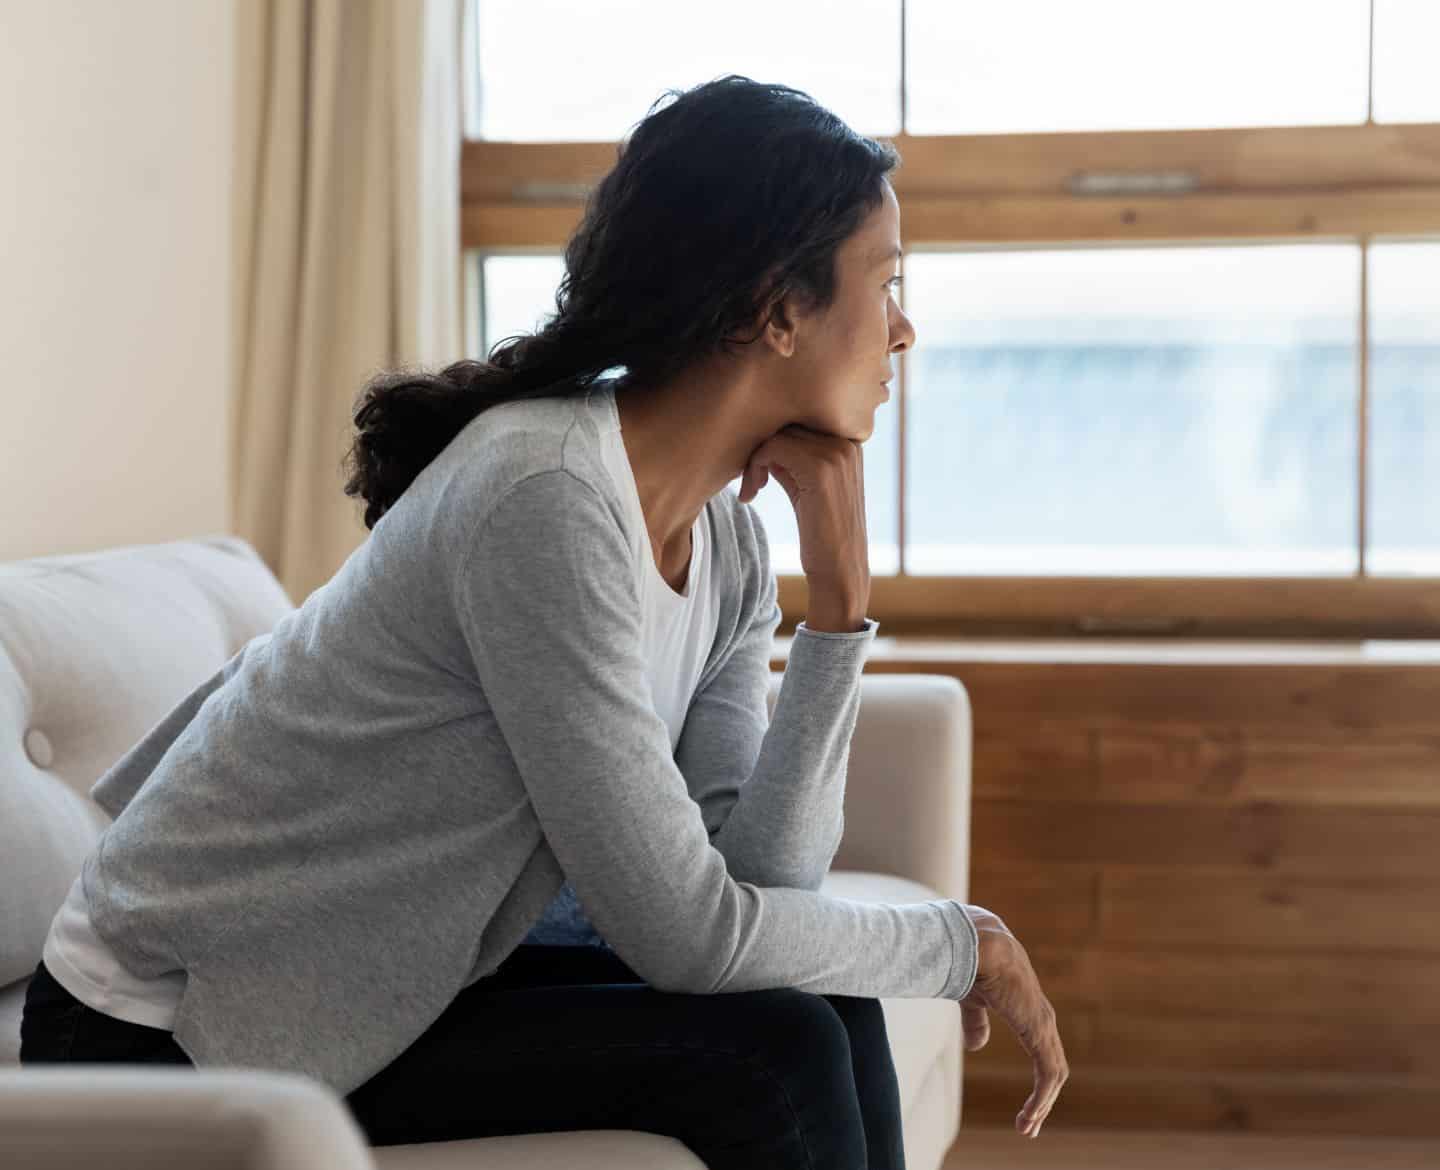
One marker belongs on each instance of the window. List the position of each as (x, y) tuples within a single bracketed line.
[(1404, 536), (557, 71), (1407, 87), (1034, 65), (1177, 365), (517, 294), (1047, 386)]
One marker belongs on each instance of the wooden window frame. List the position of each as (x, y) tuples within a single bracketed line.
[(1354, 184)]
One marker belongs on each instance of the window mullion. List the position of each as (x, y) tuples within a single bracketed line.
[(1363, 410)]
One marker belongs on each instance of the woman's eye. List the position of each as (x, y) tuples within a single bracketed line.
[(894, 280)]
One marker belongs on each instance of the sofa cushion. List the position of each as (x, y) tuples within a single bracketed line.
[(95, 649), (584, 1149)]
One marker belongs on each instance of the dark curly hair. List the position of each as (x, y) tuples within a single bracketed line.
[(733, 195)]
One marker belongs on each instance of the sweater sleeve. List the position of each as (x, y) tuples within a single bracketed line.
[(772, 790), (547, 603), (122, 781)]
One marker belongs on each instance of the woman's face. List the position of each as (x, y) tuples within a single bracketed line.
[(834, 379)]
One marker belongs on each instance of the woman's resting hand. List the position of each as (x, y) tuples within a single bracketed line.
[(1006, 984)]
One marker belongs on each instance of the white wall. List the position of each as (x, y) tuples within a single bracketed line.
[(115, 135)]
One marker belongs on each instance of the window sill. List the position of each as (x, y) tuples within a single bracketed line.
[(1146, 651)]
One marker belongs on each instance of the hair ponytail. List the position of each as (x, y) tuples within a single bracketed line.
[(404, 418)]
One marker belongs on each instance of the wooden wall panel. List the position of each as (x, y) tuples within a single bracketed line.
[(1062, 764), (1292, 839), (1350, 915), (1154, 1098), (1392, 703), (1227, 876), (1214, 980), (1349, 1040), (1186, 765), (1345, 1041), (1055, 903), (1229, 766)]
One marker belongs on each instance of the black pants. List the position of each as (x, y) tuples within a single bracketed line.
[(569, 1037)]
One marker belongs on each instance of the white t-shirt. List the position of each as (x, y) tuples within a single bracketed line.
[(678, 631), (679, 628)]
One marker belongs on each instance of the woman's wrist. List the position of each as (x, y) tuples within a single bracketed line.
[(827, 622), (836, 613)]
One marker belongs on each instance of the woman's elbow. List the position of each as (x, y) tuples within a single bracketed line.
[(688, 966)]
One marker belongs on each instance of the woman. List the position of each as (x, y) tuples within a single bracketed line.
[(392, 843)]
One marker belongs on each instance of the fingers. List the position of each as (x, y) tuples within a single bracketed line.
[(803, 459), (1012, 989), (755, 478), (976, 1024), (1051, 1072), (800, 445), (1007, 984)]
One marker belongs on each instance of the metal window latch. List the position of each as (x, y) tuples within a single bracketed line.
[(1090, 624), (1132, 182), (540, 191)]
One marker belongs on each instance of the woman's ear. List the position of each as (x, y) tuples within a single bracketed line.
[(774, 319), (780, 327)]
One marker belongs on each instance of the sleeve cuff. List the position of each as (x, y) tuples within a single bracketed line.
[(965, 953), (871, 625)]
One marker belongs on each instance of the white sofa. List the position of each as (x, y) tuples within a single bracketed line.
[(95, 648)]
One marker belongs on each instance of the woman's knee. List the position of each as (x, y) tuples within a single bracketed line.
[(798, 1026), (798, 1050), (804, 1044), (864, 1021)]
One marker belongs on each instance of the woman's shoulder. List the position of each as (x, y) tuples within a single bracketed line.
[(511, 439), (501, 448)]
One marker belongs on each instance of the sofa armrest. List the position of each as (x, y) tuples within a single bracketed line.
[(907, 790), (128, 1117)]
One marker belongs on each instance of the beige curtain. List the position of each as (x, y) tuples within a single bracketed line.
[(347, 249)]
